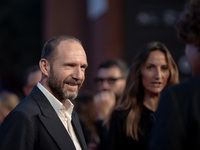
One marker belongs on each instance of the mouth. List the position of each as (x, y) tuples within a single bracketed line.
[(72, 84), (157, 84)]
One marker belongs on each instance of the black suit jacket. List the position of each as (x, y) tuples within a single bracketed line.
[(34, 125), (178, 117)]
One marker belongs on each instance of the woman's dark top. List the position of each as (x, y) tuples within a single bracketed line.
[(118, 140)]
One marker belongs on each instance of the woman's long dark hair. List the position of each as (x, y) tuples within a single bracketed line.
[(133, 95)]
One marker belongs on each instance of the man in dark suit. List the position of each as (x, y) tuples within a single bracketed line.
[(45, 119), (177, 125)]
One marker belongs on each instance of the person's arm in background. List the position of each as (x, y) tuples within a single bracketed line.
[(104, 101)]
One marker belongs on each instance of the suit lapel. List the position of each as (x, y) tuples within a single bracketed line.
[(78, 130), (58, 132), (51, 121)]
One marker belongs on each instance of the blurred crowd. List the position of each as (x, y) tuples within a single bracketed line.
[(9, 99), (132, 107)]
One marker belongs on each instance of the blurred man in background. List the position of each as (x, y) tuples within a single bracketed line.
[(32, 76), (110, 80), (177, 124)]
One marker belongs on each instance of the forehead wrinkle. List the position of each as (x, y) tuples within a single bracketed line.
[(71, 51)]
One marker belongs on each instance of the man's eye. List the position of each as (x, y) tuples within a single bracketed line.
[(68, 65), (83, 67), (112, 80)]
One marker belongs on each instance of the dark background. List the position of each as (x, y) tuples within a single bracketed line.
[(119, 32), (20, 40)]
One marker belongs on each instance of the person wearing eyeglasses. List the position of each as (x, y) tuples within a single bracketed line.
[(110, 82), (130, 122), (111, 76)]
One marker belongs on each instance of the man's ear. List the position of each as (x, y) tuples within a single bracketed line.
[(44, 66)]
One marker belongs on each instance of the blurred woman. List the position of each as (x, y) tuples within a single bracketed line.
[(131, 121)]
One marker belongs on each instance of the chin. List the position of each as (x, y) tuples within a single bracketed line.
[(156, 92), (72, 96)]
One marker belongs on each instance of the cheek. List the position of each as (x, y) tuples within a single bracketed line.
[(146, 79), (146, 76), (122, 83), (166, 78), (65, 74), (83, 75)]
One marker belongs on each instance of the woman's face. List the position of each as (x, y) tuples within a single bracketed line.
[(155, 73)]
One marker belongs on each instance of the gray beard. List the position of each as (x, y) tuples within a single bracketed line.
[(57, 88)]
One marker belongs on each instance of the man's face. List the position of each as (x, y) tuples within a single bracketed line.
[(67, 72), (110, 79)]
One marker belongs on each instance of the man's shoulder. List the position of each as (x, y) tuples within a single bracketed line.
[(189, 84), (193, 81), (28, 105), (187, 91)]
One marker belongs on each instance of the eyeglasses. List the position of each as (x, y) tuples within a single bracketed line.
[(110, 80)]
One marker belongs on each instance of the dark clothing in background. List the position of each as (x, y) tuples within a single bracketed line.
[(118, 139), (102, 133), (177, 124)]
